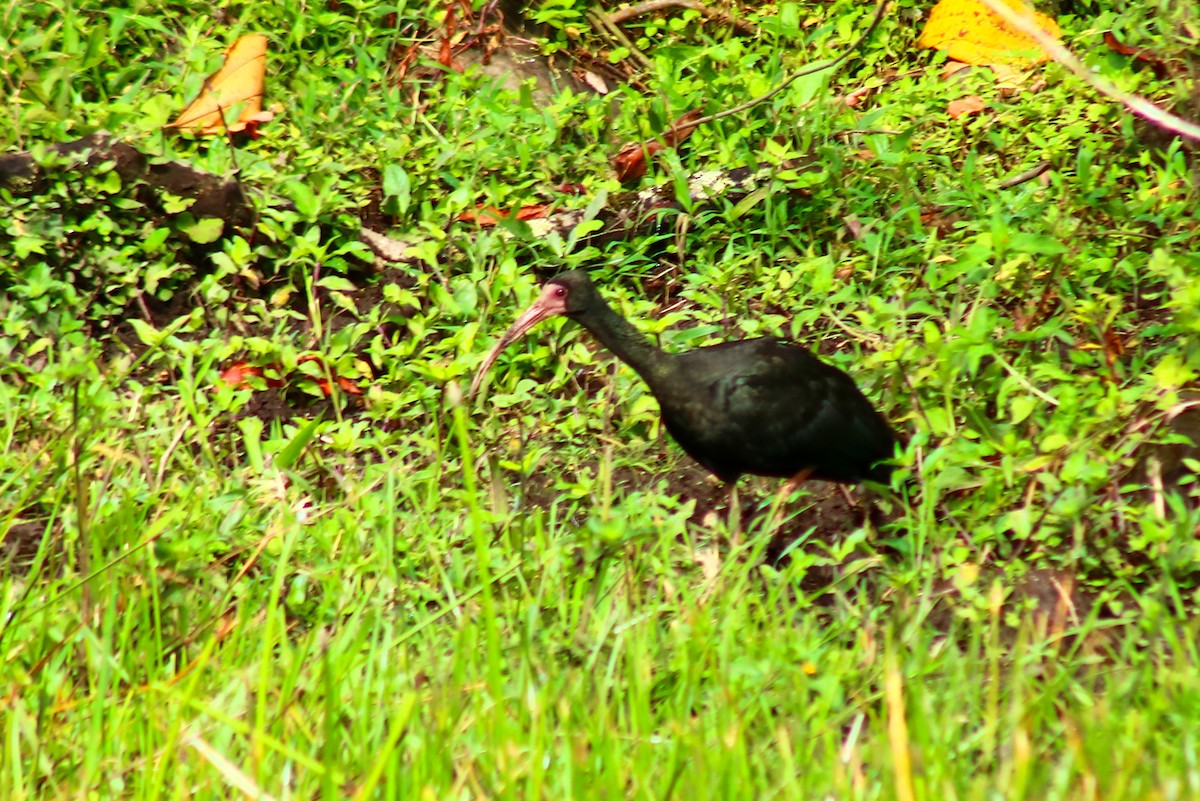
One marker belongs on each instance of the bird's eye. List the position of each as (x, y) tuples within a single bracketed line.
[(560, 291)]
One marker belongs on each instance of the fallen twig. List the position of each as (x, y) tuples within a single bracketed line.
[(1022, 177), (603, 23), (388, 249)]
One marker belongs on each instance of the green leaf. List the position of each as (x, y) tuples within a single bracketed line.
[(306, 202), (292, 451), (174, 204), (337, 282), (205, 231), (146, 333), (748, 202), (24, 245), (1037, 244), (111, 183), (1054, 441), (1172, 373), (397, 185), (252, 428), (1021, 407), (153, 241)]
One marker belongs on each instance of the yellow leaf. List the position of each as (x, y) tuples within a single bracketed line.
[(239, 81), (970, 32)]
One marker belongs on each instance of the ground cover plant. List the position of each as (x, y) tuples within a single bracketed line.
[(258, 543)]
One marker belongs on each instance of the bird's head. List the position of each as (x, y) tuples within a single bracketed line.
[(568, 294)]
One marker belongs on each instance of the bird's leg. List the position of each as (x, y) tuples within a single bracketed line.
[(735, 515), (787, 489)]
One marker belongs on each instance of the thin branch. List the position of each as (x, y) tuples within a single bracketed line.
[(845, 54), (1135, 103), (866, 132)]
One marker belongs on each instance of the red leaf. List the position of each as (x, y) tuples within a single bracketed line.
[(486, 216), (1114, 43), (1141, 54), (348, 386), (237, 375), (345, 384)]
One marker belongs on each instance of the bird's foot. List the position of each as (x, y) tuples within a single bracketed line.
[(785, 492), (735, 517)]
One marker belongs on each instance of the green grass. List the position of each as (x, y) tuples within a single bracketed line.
[(216, 592)]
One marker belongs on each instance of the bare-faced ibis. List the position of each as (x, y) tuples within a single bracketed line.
[(761, 406)]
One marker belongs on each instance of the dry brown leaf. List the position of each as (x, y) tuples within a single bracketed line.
[(971, 104), (631, 162), (940, 218), (534, 212), (970, 32), (401, 61), (1114, 347), (709, 560), (1115, 45), (596, 82), (484, 215), (853, 225), (232, 96), (1010, 79), (682, 128), (953, 68)]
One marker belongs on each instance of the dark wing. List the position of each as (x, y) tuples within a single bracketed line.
[(772, 408)]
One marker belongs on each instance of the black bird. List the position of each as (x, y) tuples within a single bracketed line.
[(761, 406)]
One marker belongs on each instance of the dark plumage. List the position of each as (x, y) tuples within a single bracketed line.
[(761, 406)]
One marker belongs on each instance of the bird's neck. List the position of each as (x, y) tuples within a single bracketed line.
[(629, 344)]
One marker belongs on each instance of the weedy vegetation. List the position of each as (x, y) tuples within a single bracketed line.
[(272, 587)]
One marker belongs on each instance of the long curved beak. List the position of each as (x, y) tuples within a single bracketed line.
[(545, 306)]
